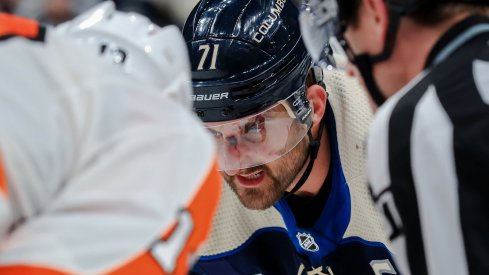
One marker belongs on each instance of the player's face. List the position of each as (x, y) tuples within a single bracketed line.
[(261, 186)]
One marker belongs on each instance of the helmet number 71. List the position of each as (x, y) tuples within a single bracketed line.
[(206, 48)]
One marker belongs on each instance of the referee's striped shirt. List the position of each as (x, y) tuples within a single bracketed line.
[(428, 159)]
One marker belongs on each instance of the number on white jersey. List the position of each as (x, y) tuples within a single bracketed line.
[(166, 252)]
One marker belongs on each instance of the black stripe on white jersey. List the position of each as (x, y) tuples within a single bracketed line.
[(402, 184)]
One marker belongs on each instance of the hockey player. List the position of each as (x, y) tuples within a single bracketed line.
[(90, 154), (428, 147), (285, 146)]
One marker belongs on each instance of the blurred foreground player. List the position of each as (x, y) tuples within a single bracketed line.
[(90, 158)]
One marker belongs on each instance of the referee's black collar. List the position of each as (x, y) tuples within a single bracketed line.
[(453, 33)]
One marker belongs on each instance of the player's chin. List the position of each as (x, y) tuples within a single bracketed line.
[(257, 199), (257, 205)]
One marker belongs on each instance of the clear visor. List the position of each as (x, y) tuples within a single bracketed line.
[(261, 138)]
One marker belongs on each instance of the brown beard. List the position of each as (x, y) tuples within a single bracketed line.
[(279, 175)]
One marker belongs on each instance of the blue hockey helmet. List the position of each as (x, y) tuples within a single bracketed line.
[(245, 56), (249, 64)]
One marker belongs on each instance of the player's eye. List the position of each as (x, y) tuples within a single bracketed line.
[(256, 126), (215, 134), (255, 131)]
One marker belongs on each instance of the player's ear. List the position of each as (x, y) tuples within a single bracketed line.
[(378, 15), (318, 97), (368, 33)]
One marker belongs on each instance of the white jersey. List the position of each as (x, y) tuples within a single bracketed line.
[(99, 173)]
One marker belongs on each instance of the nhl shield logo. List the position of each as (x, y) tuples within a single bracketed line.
[(307, 242)]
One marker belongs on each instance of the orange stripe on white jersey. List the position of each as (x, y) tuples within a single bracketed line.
[(202, 208), (13, 25), (3, 182), (28, 270), (170, 255)]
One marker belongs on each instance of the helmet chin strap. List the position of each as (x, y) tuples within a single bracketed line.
[(313, 153), (365, 67)]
